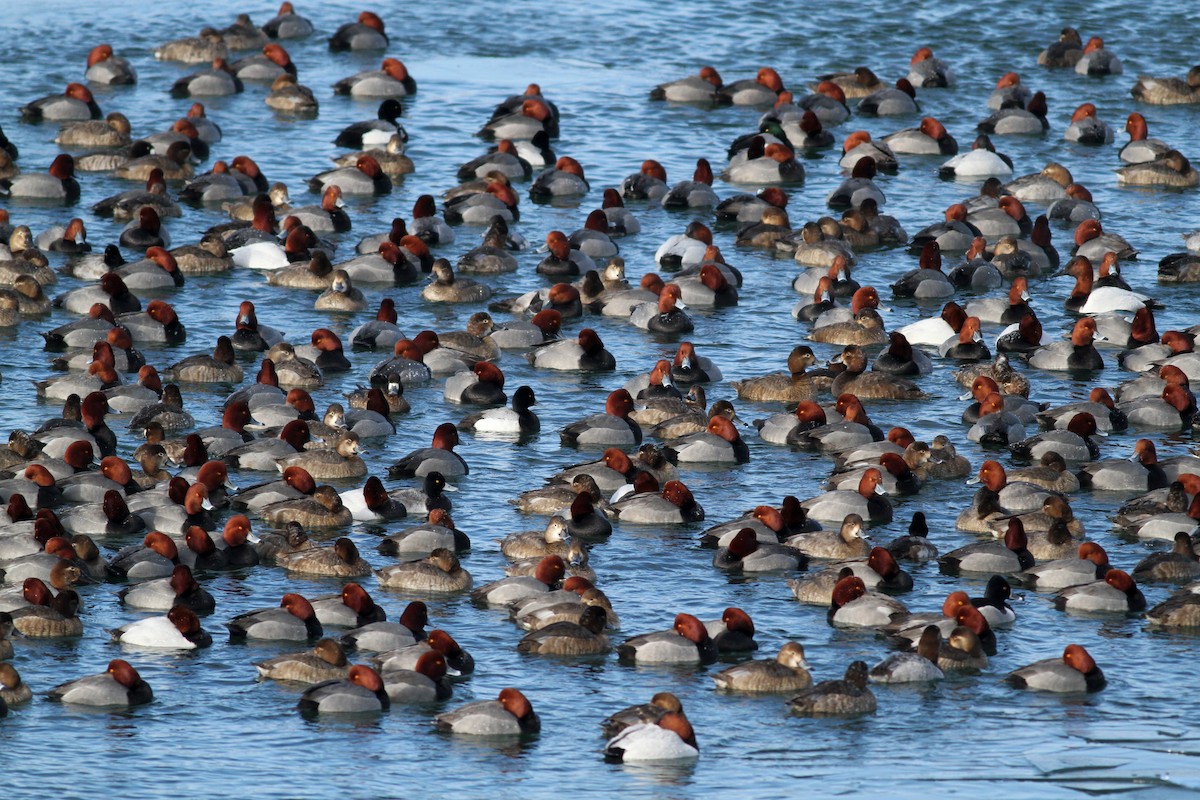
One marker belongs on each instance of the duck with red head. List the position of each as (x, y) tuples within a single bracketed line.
[(162, 594), (360, 692), (675, 505), (293, 620), (614, 428), (382, 637), (703, 88), (1075, 672), (440, 457), (120, 686), (510, 715), (687, 642)]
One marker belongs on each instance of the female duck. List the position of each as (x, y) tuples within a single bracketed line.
[(440, 573), (849, 696), (870, 385)]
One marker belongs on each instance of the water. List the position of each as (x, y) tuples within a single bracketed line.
[(214, 730)]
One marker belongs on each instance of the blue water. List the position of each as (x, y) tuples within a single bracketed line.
[(214, 730)]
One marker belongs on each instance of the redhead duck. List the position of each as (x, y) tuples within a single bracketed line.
[(1087, 128), (696, 193), (594, 239), (1078, 354), (1073, 443), (674, 506), (762, 90), (510, 715), (919, 667), (270, 64), (120, 686), (74, 103), (745, 553), (108, 69), (670, 739), (504, 158), (56, 184), (886, 101), (703, 88), (294, 620), (614, 427), (901, 359), (859, 146), (163, 594), (926, 71), (218, 81), (859, 187), (178, 630), (424, 682), (648, 183), (928, 281), (929, 138), (719, 443), (1085, 299), (1140, 473), (391, 80), (1167, 91), (1009, 556), (1115, 592), (564, 179), (361, 691), (1090, 564), (366, 177), (1075, 672), (439, 457), (547, 577), (688, 642), (827, 103), (1064, 52), (584, 353), (849, 696), (1094, 59), (458, 663), (423, 539), (1173, 410)]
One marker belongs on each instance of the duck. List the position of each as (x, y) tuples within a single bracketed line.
[(695, 193), (919, 667), (762, 90), (870, 385), (856, 85), (57, 184), (392, 79), (1011, 556), (342, 460), (439, 573), (219, 81), (687, 642), (1091, 564), (744, 553), (1172, 169), (119, 686), (1178, 565), (703, 88), (928, 281), (1140, 473), (787, 387), (423, 539), (1115, 592), (163, 594), (570, 638), (887, 101), (860, 186), (670, 739), (674, 506), (75, 102), (439, 457), (584, 353), (361, 691), (613, 428), (294, 620), (1096, 60), (340, 561), (1075, 672), (446, 287), (928, 138), (1078, 354), (325, 661), (849, 696), (1087, 128), (366, 177), (511, 714), (1167, 91), (178, 630)]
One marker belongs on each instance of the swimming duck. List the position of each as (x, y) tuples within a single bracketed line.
[(849, 696), (1075, 672), (118, 686), (510, 715)]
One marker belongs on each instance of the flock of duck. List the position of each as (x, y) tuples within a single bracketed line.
[(79, 514)]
